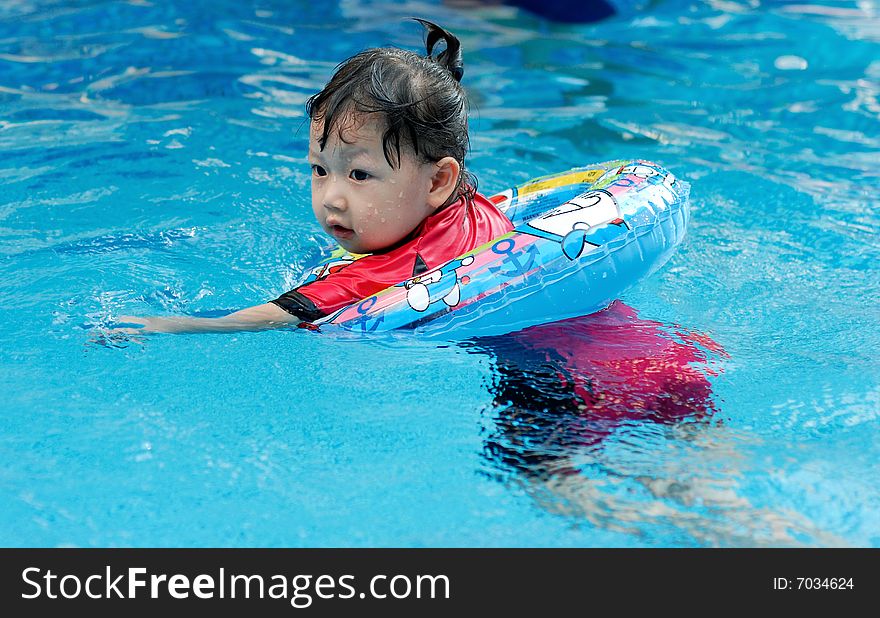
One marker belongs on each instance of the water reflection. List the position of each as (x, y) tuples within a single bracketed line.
[(568, 385), (611, 419)]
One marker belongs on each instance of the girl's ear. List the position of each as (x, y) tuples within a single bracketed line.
[(444, 180)]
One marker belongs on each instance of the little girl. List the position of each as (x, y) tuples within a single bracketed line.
[(387, 143)]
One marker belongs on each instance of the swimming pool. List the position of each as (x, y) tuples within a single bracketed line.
[(152, 160)]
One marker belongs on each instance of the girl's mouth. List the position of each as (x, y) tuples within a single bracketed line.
[(341, 232)]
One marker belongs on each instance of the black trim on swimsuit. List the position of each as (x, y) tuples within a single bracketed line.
[(299, 305), (420, 266)]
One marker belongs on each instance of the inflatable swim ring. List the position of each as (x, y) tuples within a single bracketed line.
[(581, 239)]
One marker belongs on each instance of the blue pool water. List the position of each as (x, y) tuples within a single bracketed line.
[(152, 161)]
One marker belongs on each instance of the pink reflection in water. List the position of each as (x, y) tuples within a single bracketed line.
[(563, 387), (620, 366)]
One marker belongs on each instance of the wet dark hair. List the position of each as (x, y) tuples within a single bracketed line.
[(420, 99)]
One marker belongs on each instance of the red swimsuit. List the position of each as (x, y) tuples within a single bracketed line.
[(445, 235)]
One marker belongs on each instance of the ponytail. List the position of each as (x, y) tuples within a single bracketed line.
[(449, 58)]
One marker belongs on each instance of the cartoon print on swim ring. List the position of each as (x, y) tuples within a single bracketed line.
[(646, 171), (575, 223), (442, 283)]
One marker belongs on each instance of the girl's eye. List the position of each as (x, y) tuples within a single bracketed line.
[(359, 175), (317, 170)]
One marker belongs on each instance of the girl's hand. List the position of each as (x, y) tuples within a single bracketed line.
[(123, 336), (143, 325), (134, 325)]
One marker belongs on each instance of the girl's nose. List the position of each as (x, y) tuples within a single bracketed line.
[(334, 197)]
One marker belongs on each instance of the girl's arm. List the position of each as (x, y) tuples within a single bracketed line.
[(261, 317)]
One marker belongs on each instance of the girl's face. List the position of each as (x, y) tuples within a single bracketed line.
[(357, 197)]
